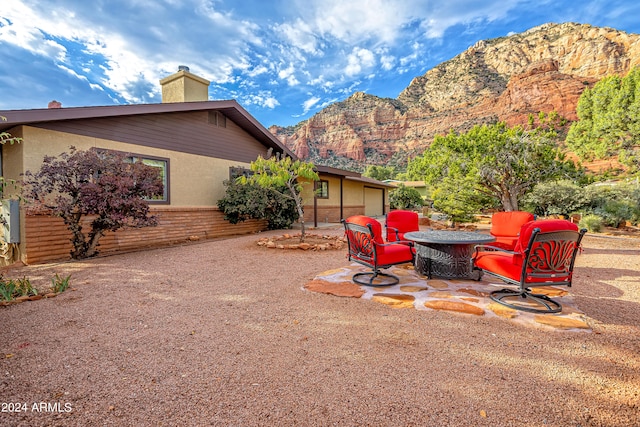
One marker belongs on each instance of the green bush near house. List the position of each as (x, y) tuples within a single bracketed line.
[(405, 197), (251, 201)]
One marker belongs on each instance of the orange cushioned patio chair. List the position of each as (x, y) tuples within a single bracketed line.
[(543, 256), (366, 247), (399, 222), (505, 227)]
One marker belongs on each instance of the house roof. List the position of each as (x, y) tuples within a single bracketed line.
[(414, 184), (230, 108), (335, 171), (372, 181), (406, 183), (353, 176)]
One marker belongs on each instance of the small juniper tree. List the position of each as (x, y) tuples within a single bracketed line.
[(102, 184), (282, 171), (405, 197)]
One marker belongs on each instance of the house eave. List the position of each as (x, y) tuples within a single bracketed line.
[(229, 108)]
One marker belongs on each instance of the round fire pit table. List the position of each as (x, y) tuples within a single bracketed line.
[(446, 253)]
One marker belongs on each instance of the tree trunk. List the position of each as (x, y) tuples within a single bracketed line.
[(77, 236), (509, 201), (92, 246), (301, 216), (298, 200)]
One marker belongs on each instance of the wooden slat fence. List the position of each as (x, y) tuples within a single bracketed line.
[(47, 238)]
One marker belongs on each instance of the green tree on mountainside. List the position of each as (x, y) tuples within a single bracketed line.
[(380, 173), (487, 166), (609, 121)]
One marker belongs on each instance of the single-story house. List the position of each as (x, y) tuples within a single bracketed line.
[(419, 186), (197, 143)]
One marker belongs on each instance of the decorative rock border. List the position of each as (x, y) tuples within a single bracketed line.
[(24, 298), (328, 242)]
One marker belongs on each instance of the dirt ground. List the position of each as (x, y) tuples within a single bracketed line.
[(222, 333)]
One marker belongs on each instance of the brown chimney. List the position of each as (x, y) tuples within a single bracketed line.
[(54, 104)]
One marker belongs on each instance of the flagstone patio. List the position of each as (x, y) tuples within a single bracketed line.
[(461, 296)]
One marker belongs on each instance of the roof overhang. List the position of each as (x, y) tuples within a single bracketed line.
[(229, 108), (352, 176), (370, 181)]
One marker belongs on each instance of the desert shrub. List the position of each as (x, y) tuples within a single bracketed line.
[(251, 201), (616, 212), (615, 203), (591, 222), (555, 198), (405, 197)]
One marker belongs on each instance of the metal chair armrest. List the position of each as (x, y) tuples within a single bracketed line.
[(478, 248), (397, 242), (395, 230)]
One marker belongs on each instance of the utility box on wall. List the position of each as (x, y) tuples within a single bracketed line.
[(11, 220)]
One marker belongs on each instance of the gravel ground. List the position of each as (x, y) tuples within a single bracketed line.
[(221, 333)]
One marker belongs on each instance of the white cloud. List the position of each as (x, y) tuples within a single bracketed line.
[(309, 103), (358, 60), (134, 52), (300, 35), (256, 71), (20, 26), (387, 62), (354, 21), (262, 99), (288, 74)]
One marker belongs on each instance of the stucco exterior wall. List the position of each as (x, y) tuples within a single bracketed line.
[(184, 87), (195, 186), (352, 197), (193, 180)]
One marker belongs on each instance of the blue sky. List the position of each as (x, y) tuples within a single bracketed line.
[(283, 60)]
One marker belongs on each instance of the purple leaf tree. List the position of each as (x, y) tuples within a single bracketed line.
[(109, 187)]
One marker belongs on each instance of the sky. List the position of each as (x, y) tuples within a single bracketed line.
[(282, 60)]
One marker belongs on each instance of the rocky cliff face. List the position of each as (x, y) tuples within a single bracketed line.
[(543, 69)]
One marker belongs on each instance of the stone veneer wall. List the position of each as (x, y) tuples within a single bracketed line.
[(47, 238)]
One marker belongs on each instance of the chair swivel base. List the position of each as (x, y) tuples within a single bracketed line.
[(526, 301), (375, 278)]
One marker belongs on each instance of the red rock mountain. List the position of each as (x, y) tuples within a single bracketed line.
[(506, 79)]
